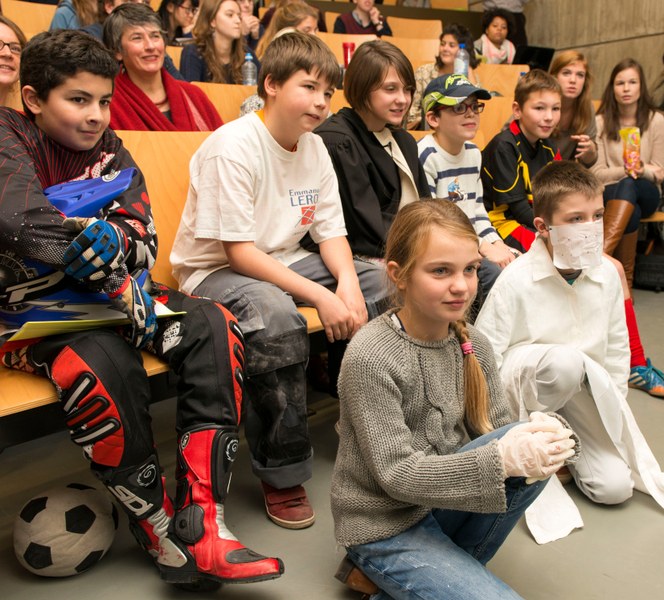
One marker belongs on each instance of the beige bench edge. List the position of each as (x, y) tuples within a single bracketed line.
[(656, 217), (21, 391)]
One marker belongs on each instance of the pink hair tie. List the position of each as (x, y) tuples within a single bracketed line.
[(467, 347)]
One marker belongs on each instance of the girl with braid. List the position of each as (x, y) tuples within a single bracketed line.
[(416, 384)]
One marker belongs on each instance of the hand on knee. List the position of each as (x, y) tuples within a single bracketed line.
[(536, 449)]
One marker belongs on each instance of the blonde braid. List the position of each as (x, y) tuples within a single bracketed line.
[(475, 387)]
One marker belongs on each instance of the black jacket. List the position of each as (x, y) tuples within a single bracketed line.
[(369, 181)]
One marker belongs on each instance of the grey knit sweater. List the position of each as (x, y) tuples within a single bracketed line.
[(402, 407)]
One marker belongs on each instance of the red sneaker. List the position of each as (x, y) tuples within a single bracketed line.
[(288, 507)]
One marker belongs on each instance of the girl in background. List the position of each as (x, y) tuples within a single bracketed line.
[(577, 130), (631, 192), (365, 18), (177, 18), (452, 36), (252, 30), (74, 14), (297, 15), (218, 51), (493, 45), (415, 383)]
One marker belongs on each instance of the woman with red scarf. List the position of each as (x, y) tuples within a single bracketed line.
[(146, 97)]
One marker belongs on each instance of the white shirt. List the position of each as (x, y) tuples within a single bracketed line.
[(530, 303), (456, 177), (244, 187), (409, 191)]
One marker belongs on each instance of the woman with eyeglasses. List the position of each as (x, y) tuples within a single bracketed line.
[(74, 14), (219, 49), (12, 41), (374, 157), (177, 18), (146, 97)]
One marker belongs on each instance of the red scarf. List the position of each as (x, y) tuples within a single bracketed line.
[(191, 110)]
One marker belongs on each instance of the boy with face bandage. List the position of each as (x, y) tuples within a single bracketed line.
[(556, 320)]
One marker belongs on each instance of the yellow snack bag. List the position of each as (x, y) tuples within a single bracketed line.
[(631, 138)]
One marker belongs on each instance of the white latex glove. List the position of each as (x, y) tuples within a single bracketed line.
[(536, 449), (540, 417)]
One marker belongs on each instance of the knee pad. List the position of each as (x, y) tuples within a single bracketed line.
[(91, 414), (212, 358)]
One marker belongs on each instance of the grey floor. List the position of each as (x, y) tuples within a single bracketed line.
[(618, 554)]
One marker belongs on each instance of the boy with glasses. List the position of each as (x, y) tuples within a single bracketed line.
[(452, 162)]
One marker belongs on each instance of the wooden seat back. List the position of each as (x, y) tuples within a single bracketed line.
[(334, 42), (226, 97), (415, 28), (330, 18), (31, 17), (497, 113), (450, 4), (163, 157), (175, 52), (418, 51), (500, 78)]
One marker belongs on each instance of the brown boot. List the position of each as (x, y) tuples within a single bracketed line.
[(355, 579), (625, 252), (617, 214)]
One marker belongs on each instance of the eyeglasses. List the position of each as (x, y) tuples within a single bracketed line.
[(462, 109), (188, 9), (14, 47)]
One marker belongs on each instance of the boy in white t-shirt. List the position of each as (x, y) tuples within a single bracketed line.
[(258, 185), (452, 162)]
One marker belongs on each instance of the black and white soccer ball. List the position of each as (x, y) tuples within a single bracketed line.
[(64, 531)]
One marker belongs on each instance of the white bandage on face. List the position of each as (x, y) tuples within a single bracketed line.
[(577, 246)]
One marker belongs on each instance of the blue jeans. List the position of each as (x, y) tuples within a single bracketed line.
[(443, 556)]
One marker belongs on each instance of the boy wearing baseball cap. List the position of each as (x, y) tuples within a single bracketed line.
[(452, 162)]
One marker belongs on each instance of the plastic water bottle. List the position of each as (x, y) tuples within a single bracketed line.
[(249, 73), (462, 61)]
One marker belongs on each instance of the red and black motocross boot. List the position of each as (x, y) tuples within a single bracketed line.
[(205, 457)]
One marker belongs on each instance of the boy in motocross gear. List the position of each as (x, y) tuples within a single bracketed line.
[(67, 84)]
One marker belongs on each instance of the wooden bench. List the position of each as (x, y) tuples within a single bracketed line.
[(28, 404), (656, 217)]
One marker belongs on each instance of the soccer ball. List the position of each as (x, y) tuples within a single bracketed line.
[(65, 530)]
